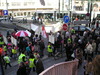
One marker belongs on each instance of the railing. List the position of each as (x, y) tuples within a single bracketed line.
[(64, 68)]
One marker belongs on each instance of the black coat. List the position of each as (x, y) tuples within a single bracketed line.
[(39, 66), (42, 46), (22, 71)]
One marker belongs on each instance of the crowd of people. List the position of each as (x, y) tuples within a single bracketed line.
[(85, 47), (30, 50)]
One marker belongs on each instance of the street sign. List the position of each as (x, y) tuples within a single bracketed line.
[(5, 12), (66, 19), (65, 26)]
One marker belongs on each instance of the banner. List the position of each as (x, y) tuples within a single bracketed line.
[(14, 41), (5, 39), (51, 39), (34, 27)]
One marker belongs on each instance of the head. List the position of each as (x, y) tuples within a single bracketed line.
[(21, 64), (22, 52), (49, 43), (6, 54), (31, 56), (36, 35)]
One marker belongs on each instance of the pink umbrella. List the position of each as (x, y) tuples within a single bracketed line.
[(21, 33)]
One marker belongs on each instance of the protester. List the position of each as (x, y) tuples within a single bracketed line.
[(28, 50), (22, 57), (88, 50), (39, 65), (7, 61), (96, 65), (94, 47), (22, 69), (68, 51), (50, 51), (14, 52), (32, 61), (88, 67), (42, 47), (79, 55)]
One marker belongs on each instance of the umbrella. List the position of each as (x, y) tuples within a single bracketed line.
[(29, 33), (21, 33)]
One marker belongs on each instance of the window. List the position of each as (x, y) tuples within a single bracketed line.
[(2, 4), (16, 4), (82, 28), (79, 8), (76, 28), (28, 13), (24, 13)]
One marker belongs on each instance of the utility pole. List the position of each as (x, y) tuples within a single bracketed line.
[(90, 10), (69, 9), (6, 5), (62, 7)]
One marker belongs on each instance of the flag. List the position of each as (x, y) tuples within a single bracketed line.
[(44, 34)]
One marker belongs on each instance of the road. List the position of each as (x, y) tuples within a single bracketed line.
[(47, 63)]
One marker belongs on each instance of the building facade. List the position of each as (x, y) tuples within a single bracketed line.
[(51, 7)]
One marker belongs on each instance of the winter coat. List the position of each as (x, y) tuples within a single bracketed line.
[(94, 46), (89, 49), (88, 67), (39, 66), (42, 46), (99, 47), (22, 71)]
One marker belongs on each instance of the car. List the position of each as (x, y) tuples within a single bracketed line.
[(80, 29)]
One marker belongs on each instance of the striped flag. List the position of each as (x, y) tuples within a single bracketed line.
[(44, 34)]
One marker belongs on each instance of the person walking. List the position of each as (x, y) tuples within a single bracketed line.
[(7, 61), (68, 48), (22, 69), (42, 47), (39, 65), (22, 58), (88, 50), (94, 47), (50, 51), (14, 52), (31, 63)]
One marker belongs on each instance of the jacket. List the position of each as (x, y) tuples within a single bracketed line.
[(39, 66)]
